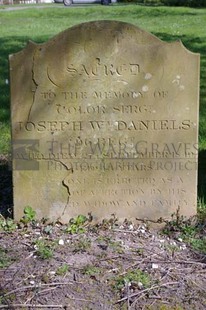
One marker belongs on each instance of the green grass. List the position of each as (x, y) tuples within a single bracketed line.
[(168, 23), (38, 25)]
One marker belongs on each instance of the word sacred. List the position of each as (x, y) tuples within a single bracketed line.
[(97, 68)]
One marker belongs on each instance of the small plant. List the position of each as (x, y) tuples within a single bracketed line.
[(109, 223), (91, 270), (5, 258), (44, 249), (29, 215), (172, 248), (178, 224), (116, 246), (62, 270), (134, 277), (7, 225), (81, 245), (77, 225), (189, 230), (105, 242), (198, 244), (201, 211), (48, 229)]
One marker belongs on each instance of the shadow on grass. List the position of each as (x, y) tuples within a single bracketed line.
[(202, 176), (180, 10), (8, 46), (6, 189)]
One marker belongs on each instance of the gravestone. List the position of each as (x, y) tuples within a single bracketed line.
[(105, 121)]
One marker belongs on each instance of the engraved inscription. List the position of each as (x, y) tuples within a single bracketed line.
[(114, 122), (119, 125), (99, 68)]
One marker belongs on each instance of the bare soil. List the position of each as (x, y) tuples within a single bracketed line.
[(107, 267)]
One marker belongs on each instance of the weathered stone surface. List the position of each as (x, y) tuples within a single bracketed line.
[(105, 120)]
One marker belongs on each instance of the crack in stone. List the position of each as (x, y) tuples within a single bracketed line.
[(36, 85), (63, 181), (66, 186), (68, 191)]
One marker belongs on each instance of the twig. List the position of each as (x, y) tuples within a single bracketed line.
[(155, 297), (80, 299), (146, 261), (30, 306), (201, 288), (128, 299), (39, 293), (108, 258), (38, 286), (126, 231), (190, 262), (47, 290), (10, 306), (145, 290)]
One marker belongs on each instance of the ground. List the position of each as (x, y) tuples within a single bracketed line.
[(85, 266), (107, 266)]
